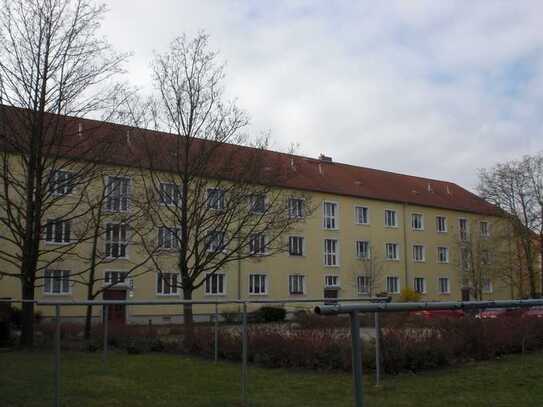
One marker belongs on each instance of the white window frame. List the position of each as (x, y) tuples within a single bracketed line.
[(63, 278), (254, 204), (387, 286), (61, 187), (358, 246), (167, 198), (261, 248), (463, 234), (208, 285), (54, 224), (119, 242), (417, 280), (108, 278), (488, 287), (296, 208), (397, 246), (214, 244), (296, 280), (367, 284), (330, 284), (172, 233), (329, 254), (485, 235), (423, 252), (395, 217), (330, 221), (124, 198), (174, 289), (253, 277), (413, 217), (445, 229), (439, 286), (447, 255), (217, 203), (358, 208), (300, 245)]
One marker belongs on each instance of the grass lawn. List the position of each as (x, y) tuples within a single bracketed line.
[(26, 379)]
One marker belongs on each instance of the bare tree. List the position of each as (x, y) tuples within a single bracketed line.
[(54, 69), (215, 201), (509, 186), (371, 268), (534, 168)]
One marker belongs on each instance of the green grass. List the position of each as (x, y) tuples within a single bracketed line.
[(26, 379)]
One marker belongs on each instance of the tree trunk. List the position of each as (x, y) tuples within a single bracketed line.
[(88, 323), (27, 335), (188, 319)]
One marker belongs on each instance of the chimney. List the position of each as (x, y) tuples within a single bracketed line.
[(325, 158)]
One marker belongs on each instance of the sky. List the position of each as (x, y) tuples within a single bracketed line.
[(437, 89)]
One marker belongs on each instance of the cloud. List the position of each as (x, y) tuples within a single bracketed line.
[(435, 89)]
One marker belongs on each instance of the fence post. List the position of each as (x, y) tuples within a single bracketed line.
[(57, 356), (377, 350), (244, 355), (105, 318), (216, 333), (357, 359)]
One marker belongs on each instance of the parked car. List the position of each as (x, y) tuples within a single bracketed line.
[(439, 313), (495, 313)]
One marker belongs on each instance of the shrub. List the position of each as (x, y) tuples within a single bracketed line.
[(270, 314), (5, 336), (230, 316), (409, 295)]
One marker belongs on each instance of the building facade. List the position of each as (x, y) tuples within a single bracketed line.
[(367, 232)]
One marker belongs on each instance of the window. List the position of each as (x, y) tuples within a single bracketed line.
[(296, 208), (56, 282), (393, 285), (463, 229), (442, 255), (363, 285), (417, 221), (485, 230), (117, 194), (441, 224), (215, 198), (419, 285), (331, 281), (296, 284), (330, 215), (57, 231), (362, 249), (296, 245), (168, 238), (61, 182), (170, 194), (215, 284), (330, 252), (116, 240), (392, 251), (418, 253), (443, 283), (257, 244), (115, 277), (465, 259), (258, 284), (257, 203), (166, 284), (485, 257), (390, 218), (487, 286), (361, 214), (215, 241)]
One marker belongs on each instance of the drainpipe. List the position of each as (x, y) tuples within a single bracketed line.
[(406, 250)]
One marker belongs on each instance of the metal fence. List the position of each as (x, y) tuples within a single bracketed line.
[(214, 319)]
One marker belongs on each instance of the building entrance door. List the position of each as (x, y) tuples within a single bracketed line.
[(116, 313), (330, 295)]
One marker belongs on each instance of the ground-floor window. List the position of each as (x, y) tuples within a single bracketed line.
[(363, 285), (166, 284), (258, 284), (215, 284), (444, 285), (393, 285), (296, 284), (487, 286), (56, 282), (419, 285)]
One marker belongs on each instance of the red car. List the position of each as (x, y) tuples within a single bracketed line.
[(534, 312), (439, 313), (494, 313)]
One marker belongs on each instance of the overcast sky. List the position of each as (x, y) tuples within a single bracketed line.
[(429, 88)]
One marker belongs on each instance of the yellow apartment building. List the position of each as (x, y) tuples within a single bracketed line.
[(368, 232)]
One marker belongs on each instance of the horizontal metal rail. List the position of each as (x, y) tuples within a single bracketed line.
[(420, 306)]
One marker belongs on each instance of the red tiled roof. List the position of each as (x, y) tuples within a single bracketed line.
[(133, 147)]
